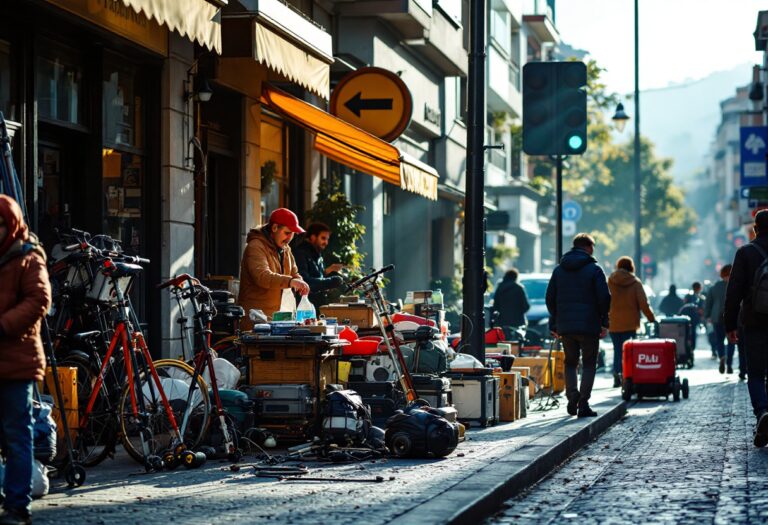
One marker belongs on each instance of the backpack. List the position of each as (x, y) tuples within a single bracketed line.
[(760, 284)]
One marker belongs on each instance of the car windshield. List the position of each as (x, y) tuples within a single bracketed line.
[(536, 289)]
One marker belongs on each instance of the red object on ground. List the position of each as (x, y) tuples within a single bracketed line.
[(649, 361)]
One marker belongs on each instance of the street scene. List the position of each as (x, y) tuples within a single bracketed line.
[(424, 261)]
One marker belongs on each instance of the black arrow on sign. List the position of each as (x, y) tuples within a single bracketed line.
[(356, 104)]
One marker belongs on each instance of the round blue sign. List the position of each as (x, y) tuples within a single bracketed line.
[(571, 211)]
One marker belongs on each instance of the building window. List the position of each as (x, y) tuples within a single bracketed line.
[(59, 88), (274, 182), (452, 8), (122, 107), (501, 32)]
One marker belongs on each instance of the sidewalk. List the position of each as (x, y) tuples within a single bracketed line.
[(491, 465)]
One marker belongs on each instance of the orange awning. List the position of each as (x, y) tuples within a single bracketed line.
[(337, 139), (341, 141)]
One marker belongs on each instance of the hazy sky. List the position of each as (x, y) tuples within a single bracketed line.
[(680, 40)]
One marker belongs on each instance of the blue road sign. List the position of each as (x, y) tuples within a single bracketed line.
[(754, 144), (571, 211)]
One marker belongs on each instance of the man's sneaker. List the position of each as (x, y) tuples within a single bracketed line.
[(722, 365), (586, 412), (572, 407), (742, 377), (730, 370), (761, 430), (616, 380), (15, 517)]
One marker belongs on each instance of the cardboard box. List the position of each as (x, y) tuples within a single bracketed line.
[(525, 371), (357, 315), (68, 384), (541, 372), (509, 396), (558, 366)]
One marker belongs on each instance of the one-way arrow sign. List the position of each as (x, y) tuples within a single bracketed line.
[(357, 104)]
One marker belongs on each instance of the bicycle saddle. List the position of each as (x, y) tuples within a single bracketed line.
[(86, 336), (125, 269)]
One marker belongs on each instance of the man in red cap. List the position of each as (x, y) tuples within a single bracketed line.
[(268, 266)]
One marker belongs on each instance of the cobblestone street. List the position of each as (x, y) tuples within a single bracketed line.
[(664, 462)]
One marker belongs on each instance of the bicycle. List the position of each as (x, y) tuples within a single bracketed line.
[(187, 287)]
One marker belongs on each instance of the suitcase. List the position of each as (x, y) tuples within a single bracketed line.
[(434, 390), (649, 367), (476, 398), (282, 401), (383, 398), (680, 329)]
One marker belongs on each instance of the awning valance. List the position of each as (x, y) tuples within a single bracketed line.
[(353, 147), (198, 20)]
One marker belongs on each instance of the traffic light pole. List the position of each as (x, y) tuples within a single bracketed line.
[(559, 212), (473, 320)]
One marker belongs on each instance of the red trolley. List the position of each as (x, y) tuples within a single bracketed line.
[(648, 367)]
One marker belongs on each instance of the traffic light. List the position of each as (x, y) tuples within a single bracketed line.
[(651, 269), (554, 108)]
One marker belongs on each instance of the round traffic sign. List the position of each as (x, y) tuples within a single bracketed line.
[(375, 100), (571, 211)]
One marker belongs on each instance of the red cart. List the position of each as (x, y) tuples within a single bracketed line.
[(649, 367)]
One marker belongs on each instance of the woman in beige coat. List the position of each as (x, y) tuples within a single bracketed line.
[(628, 299)]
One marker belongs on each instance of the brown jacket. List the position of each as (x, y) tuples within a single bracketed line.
[(627, 300), (262, 277), (25, 296)]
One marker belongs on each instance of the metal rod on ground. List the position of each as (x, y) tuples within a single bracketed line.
[(559, 211), (473, 322)]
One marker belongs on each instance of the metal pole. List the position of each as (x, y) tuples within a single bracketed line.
[(473, 321), (559, 212), (638, 184)]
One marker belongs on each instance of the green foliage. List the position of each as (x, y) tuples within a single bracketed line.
[(268, 171), (500, 257), (334, 209)]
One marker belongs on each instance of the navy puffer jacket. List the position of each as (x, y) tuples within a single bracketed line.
[(578, 298)]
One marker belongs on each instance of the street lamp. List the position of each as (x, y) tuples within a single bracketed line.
[(620, 118), (638, 187)]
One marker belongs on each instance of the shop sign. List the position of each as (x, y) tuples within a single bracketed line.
[(117, 17), (375, 100)]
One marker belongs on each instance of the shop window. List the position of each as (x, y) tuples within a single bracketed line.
[(123, 175), (59, 88), (274, 182), (6, 104), (122, 108)]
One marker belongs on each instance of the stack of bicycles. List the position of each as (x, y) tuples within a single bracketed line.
[(122, 393)]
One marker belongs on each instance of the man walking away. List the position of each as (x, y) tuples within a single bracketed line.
[(672, 303), (745, 309), (309, 259), (578, 301), (628, 299), (693, 307), (510, 301), (713, 313)]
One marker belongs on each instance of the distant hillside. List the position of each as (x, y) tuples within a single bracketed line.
[(682, 119)]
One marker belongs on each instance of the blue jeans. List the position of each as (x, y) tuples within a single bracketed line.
[(756, 349), (618, 339), (720, 346), (16, 442)]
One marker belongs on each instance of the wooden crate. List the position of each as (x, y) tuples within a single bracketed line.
[(289, 364), (68, 384), (509, 396), (357, 315), (558, 366), (540, 372), (525, 371)]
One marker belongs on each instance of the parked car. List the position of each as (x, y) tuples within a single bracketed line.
[(535, 285)]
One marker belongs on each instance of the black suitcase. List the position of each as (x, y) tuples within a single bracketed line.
[(476, 397), (434, 390)]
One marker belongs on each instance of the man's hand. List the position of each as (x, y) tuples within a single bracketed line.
[(334, 268), (300, 286), (733, 336), (603, 332)]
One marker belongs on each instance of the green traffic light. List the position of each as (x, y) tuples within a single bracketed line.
[(575, 142)]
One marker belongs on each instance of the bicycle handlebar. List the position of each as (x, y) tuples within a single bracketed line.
[(370, 276)]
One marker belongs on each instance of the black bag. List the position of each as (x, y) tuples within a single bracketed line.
[(760, 284), (346, 420), (420, 432)]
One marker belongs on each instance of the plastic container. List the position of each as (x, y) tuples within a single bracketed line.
[(306, 310), (437, 296), (363, 347), (348, 334)]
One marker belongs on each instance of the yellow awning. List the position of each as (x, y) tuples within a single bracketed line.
[(353, 147), (198, 20), (291, 61)]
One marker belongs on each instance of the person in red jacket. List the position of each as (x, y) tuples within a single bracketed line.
[(25, 296)]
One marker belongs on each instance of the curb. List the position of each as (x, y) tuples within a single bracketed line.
[(482, 494)]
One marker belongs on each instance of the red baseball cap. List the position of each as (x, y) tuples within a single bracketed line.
[(285, 217)]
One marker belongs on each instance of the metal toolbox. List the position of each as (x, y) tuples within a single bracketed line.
[(434, 390), (283, 401), (476, 397)]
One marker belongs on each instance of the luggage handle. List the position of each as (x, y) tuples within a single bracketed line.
[(652, 329)]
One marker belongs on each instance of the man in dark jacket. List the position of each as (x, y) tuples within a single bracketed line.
[(510, 301), (578, 301), (741, 319), (309, 259), (672, 303)]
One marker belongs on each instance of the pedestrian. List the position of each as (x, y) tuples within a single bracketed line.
[(672, 303), (510, 302), (713, 313), (741, 319), (578, 301), (268, 266), (309, 260), (628, 299), (25, 296), (693, 308)]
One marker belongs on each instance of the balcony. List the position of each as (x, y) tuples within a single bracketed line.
[(410, 18), (543, 28), (504, 83)]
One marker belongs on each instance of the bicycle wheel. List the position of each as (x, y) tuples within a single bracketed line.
[(175, 378), (97, 439)]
